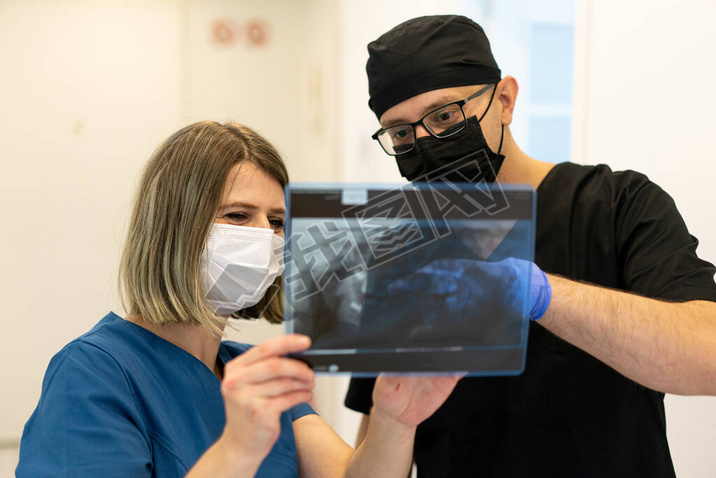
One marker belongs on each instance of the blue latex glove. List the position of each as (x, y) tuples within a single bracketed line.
[(540, 293), (462, 285)]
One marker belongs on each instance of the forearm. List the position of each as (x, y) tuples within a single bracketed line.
[(669, 347), (386, 451)]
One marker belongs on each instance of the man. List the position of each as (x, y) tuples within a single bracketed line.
[(632, 313)]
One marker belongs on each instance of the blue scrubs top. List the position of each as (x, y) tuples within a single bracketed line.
[(120, 401)]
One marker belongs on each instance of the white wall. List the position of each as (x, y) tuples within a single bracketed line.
[(647, 103), (87, 90)]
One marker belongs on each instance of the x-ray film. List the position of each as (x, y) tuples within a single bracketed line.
[(419, 278)]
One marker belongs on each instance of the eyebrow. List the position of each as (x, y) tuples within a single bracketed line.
[(246, 205), (437, 103)]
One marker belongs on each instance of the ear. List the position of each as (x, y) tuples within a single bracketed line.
[(506, 94)]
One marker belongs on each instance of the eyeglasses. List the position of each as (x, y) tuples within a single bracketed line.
[(441, 122)]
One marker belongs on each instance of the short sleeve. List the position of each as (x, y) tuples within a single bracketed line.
[(86, 423), (301, 410), (657, 252)]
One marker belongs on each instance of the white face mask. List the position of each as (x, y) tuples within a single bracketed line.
[(239, 265)]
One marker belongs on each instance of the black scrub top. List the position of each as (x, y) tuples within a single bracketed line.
[(568, 414)]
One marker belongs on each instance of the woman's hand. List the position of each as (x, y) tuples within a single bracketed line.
[(258, 386), (410, 400)]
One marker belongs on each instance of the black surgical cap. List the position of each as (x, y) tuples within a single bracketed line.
[(427, 53)]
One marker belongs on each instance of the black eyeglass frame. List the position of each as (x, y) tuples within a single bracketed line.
[(460, 103)]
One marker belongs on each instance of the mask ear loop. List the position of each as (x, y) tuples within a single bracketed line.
[(502, 136), (502, 133), (492, 97)]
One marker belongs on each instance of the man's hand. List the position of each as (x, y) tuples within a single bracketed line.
[(410, 400)]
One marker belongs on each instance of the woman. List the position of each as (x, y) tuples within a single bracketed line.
[(157, 393)]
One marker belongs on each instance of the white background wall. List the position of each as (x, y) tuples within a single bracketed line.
[(646, 101), (89, 88)]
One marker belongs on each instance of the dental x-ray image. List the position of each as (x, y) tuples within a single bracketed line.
[(425, 277)]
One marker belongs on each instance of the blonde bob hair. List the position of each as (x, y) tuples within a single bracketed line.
[(175, 205)]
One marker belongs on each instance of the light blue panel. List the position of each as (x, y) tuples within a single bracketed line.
[(551, 63), (550, 138)]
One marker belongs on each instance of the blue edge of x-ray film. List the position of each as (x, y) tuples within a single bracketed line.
[(418, 278)]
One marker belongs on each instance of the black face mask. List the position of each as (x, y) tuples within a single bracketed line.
[(464, 157)]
